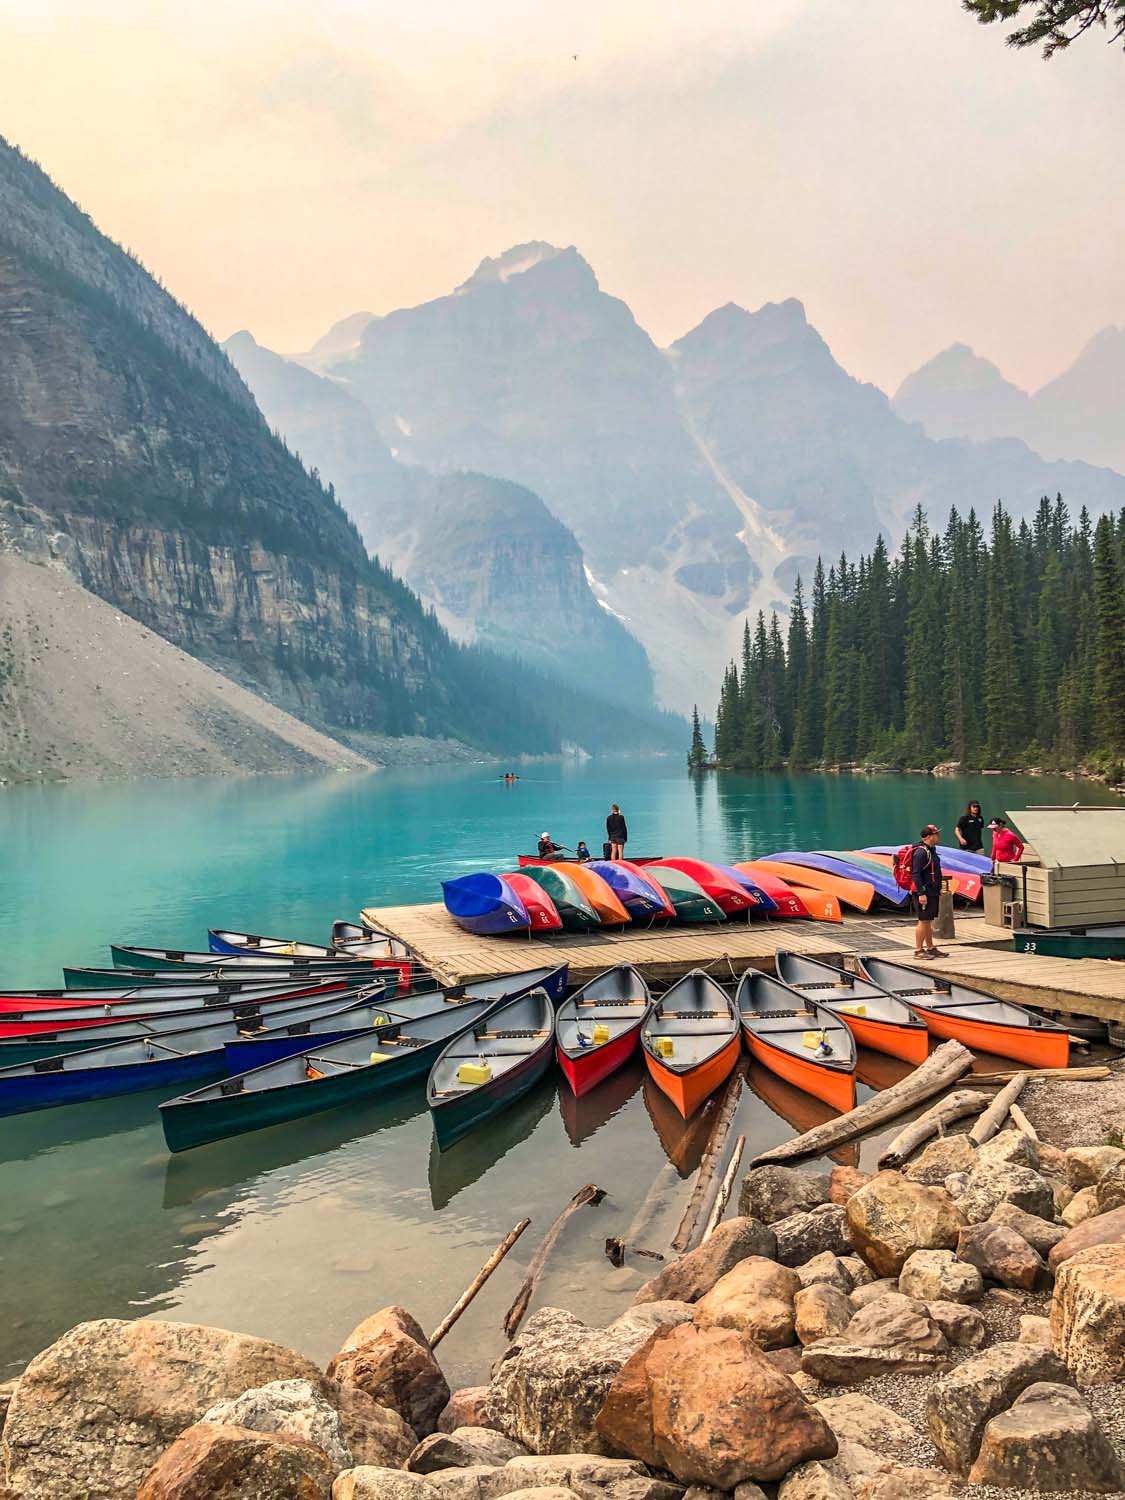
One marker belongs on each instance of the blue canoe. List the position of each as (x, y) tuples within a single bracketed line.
[(248, 1053), (957, 860), (637, 895), (762, 902), (167, 1060), (884, 884), (485, 904)]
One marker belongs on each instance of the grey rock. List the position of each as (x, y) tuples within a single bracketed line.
[(474, 1482), (1001, 1254), (803, 1235), (461, 1449), (1034, 1330), (858, 1269), (988, 1187), (1110, 1189), (377, 1436), (964, 1401), (844, 1362), (963, 1326), (774, 1192), (898, 1321), (694, 1274), (1082, 1206), (1087, 1165), (588, 1475), (748, 1490), (938, 1274), (1048, 1440), (820, 1311), (941, 1158), (813, 1481), (1040, 1234), (293, 1407), (956, 1183), (855, 1418), (647, 1317), (827, 1269)]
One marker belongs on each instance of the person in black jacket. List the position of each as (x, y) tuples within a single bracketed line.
[(925, 866), (616, 832), (970, 828)]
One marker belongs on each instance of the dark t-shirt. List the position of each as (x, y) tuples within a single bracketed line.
[(972, 831), (615, 829), (925, 866)]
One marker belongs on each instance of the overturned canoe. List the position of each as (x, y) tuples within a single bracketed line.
[(728, 892), (688, 899), (541, 910), (799, 1040), (875, 1018), (597, 1029), (788, 900), (639, 893), (575, 911), (598, 892), (691, 1042), (853, 890), (980, 1021), (485, 1069), (886, 886), (968, 887), (951, 858), (485, 904), (764, 904)]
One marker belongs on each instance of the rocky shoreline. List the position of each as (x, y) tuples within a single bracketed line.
[(956, 1328)]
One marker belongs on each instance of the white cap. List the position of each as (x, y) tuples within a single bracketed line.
[(544, 835)]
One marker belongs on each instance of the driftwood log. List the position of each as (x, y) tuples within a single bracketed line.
[(944, 1066), (1074, 1075), (591, 1193), (684, 1235), (477, 1282), (954, 1106), (997, 1112), (722, 1197), (1023, 1124)]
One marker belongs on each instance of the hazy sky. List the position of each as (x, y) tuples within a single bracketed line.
[(890, 162)]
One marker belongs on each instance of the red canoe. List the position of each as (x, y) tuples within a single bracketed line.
[(788, 902), (727, 894), (540, 908), (597, 1029)]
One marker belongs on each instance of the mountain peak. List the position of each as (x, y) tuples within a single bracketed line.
[(566, 265), (243, 339), (772, 323)]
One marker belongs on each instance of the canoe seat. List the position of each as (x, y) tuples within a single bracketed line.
[(826, 984), (691, 1015), (503, 1036), (770, 1015), (231, 1086), (593, 1004)]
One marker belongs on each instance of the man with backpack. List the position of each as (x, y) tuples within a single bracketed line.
[(918, 870)]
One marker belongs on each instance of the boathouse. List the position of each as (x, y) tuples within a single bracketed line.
[(1073, 869)]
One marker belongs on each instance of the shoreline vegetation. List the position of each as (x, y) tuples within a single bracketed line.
[(955, 1324), (983, 654)]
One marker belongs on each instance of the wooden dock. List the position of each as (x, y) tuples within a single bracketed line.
[(980, 955)]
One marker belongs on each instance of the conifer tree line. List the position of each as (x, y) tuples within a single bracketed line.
[(998, 651)]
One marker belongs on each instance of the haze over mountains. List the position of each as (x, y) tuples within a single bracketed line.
[(697, 480)]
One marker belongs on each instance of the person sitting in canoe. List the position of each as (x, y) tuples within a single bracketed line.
[(547, 846), (582, 853)]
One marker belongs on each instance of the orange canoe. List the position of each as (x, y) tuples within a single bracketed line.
[(822, 905), (857, 893), (691, 1042), (800, 1041), (598, 892), (877, 1020)]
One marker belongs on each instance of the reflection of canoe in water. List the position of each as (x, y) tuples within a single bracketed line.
[(583, 1116), (804, 1043), (953, 1010), (799, 1110), (450, 1172), (879, 1070), (876, 1019), (684, 1141), (691, 1042)]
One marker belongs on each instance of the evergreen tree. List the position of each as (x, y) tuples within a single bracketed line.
[(697, 755), (1109, 620)]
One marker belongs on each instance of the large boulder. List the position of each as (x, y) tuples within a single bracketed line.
[(827, 1269), (93, 1412), (375, 1434), (803, 1235), (590, 1476), (962, 1326), (871, 1291), (988, 1187), (858, 1419), (941, 1159), (1103, 1229), (820, 1312), (844, 1181), (1087, 1165), (1048, 1440), (756, 1297), (938, 1274), (1000, 1254), (550, 1384), (813, 1481), (1083, 1206), (963, 1402), (388, 1357), (771, 1193), (1110, 1189), (706, 1405), (1088, 1314), (1039, 1233), (371, 1482), (892, 1217), (214, 1462), (844, 1362), (463, 1448), (467, 1407), (899, 1321), (1009, 1148), (643, 1318), (293, 1407), (693, 1274)]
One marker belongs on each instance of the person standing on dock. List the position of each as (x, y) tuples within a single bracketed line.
[(970, 829), (1007, 847), (616, 833), (925, 866)]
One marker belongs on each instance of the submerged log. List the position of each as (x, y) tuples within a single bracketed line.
[(477, 1282), (944, 1066), (684, 1235), (722, 1197), (997, 1112), (591, 1193), (954, 1106)]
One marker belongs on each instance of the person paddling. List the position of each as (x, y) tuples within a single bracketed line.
[(547, 846), (925, 866), (616, 832)]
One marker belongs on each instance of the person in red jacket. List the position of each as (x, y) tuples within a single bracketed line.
[(1006, 845)]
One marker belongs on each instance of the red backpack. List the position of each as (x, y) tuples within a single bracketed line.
[(904, 867)]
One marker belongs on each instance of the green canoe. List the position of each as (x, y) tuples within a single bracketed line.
[(1071, 942), (575, 912)]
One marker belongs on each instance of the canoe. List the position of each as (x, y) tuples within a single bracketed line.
[(15, 1003), (799, 1040), (960, 883), (785, 897), (484, 904), (564, 856), (764, 905), (886, 886), (851, 891), (597, 1029), (598, 892), (691, 1042), (383, 952), (822, 906), (541, 910), (875, 1019), (639, 893), (222, 970), (253, 1052), (1071, 942), (486, 1068), (726, 891), (575, 912), (952, 1010), (125, 956), (166, 1060), (221, 941), (951, 858), (688, 898)]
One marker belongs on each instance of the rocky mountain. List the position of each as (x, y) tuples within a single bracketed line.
[(487, 555), (133, 455), (1075, 416)]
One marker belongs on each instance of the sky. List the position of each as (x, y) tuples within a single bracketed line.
[(893, 164)]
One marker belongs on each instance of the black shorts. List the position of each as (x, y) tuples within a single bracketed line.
[(929, 911)]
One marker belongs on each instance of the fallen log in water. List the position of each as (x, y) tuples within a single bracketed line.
[(722, 1197), (954, 1106), (944, 1066), (997, 1112), (591, 1193), (713, 1155), (477, 1282)]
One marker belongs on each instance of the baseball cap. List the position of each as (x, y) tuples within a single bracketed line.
[(998, 823), (544, 835), (931, 828)]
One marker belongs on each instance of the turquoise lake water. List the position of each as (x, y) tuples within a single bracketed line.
[(298, 1232)]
